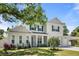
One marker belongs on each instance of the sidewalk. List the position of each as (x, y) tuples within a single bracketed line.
[(71, 48)]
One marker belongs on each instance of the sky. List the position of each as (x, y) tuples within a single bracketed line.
[(65, 12)]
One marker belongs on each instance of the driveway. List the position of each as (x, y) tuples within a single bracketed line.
[(71, 48)]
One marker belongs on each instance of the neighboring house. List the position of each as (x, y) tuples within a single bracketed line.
[(37, 35)]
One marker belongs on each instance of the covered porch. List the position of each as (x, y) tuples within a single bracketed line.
[(38, 40)]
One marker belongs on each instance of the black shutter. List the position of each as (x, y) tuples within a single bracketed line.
[(42, 28), (58, 28), (30, 27), (38, 27), (52, 28)]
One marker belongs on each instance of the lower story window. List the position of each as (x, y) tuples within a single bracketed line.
[(39, 40), (45, 39), (27, 42), (13, 41), (20, 41)]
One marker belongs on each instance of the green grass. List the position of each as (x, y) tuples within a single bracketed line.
[(39, 52), (68, 53)]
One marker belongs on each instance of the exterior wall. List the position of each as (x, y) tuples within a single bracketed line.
[(24, 37), (64, 41), (54, 33), (2, 42)]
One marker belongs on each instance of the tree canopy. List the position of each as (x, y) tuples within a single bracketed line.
[(31, 13), (75, 32), (1, 33), (65, 31)]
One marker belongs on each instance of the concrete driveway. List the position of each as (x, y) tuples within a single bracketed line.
[(71, 48)]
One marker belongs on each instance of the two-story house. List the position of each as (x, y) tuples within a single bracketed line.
[(36, 35)]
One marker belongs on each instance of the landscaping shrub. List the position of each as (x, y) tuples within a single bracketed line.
[(12, 46), (19, 47), (43, 45), (54, 42), (29, 46), (9, 46), (23, 47)]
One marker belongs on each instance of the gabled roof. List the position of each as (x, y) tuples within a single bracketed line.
[(55, 20), (19, 28)]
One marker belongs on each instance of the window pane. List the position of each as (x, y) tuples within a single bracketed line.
[(20, 39), (32, 27), (13, 38), (55, 28), (40, 28), (12, 41), (52, 28), (45, 40), (27, 42), (39, 40), (58, 28)]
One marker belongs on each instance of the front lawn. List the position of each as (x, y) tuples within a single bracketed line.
[(39, 52)]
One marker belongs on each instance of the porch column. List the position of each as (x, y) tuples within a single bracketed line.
[(36, 40), (42, 40), (30, 40), (47, 40)]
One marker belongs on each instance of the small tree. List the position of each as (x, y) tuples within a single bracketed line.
[(54, 42)]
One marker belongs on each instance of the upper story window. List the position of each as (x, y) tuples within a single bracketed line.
[(32, 27), (40, 28), (55, 28), (20, 39)]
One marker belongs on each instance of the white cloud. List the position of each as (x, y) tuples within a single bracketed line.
[(76, 7)]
